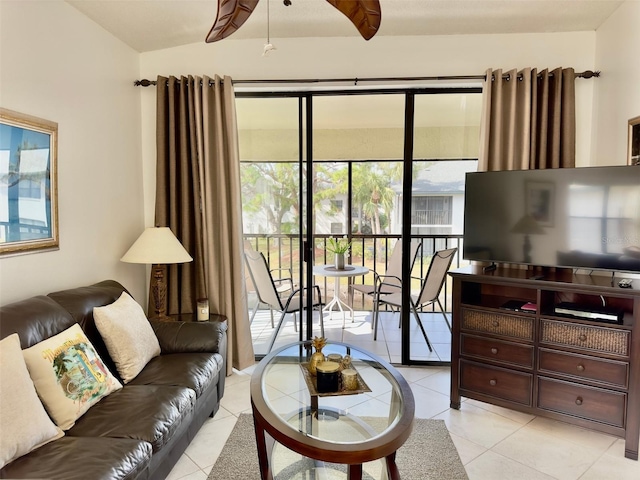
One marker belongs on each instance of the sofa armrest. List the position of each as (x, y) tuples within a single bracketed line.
[(187, 337)]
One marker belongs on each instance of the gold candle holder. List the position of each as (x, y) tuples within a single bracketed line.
[(349, 379), (334, 357)]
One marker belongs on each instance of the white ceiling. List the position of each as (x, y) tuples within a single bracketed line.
[(148, 25)]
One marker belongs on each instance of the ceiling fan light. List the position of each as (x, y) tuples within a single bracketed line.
[(268, 48)]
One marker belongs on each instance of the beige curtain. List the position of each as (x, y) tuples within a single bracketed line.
[(198, 197), (528, 120)]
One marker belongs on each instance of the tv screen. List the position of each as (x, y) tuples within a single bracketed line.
[(584, 218)]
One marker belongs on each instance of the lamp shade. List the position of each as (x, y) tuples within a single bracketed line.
[(527, 225), (157, 245)]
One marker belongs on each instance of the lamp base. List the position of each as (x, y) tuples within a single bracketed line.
[(159, 293), (526, 249)]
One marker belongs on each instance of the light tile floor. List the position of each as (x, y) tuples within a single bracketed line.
[(360, 334), (493, 443)]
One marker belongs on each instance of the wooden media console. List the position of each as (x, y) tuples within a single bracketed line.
[(533, 359)]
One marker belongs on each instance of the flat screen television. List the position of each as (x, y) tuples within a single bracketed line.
[(582, 218)]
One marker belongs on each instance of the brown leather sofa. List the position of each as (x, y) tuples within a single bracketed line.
[(141, 430)]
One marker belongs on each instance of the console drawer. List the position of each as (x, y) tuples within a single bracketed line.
[(591, 403), (598, 339), (585, 367), (497, 323), (497, 350), (496, 382)]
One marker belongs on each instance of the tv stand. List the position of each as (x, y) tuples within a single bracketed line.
[(577, 370)]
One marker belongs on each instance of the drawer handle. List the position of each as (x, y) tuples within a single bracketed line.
[(493, 382), (580, 368), (495, 323), (582, 337), (494, 350), (579, 401)]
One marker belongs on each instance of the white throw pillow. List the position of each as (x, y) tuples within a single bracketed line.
[(24, 424), (69, 375), (127, 334)]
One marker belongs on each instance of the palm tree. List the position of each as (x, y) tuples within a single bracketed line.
[(372, 192)]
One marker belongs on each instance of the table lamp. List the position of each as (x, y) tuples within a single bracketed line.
[(157, 246), (529, 226)]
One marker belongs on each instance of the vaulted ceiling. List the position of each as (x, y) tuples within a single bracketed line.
[(148, 25)]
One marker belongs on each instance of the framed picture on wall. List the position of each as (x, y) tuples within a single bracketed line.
[(633, 150), (28, 184)]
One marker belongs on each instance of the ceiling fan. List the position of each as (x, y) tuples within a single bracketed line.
[(231, 15)]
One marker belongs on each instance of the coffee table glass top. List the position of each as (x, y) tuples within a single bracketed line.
[(340, 418)]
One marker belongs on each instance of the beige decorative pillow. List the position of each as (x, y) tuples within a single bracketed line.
[(69, 375), (127, 334), (24, 424)]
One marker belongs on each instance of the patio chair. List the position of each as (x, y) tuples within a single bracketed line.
[(390, 281), (429, 293), (283, 285), (268, 293)]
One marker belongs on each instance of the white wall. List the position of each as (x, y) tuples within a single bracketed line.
[(617, 95), (59, 65), (350, 57)]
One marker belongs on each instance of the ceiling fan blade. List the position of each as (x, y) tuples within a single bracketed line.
[(230, 17), (364, 14)]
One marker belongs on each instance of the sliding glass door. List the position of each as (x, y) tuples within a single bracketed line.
[(374, 167), (446, 132), (271, 138), (357, 152)]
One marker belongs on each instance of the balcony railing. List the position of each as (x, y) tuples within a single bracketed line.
[(372, 251)]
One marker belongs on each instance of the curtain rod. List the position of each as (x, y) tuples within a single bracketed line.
[(586, 74)]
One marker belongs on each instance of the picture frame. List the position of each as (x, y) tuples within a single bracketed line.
[(633, 148), (28, 184), (539, 202)]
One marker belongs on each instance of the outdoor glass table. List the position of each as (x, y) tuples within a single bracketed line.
[(337, 274), (349, 428)]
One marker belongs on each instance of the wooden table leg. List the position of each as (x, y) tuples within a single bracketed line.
[(355, 472), (263, 455), (392, 468)]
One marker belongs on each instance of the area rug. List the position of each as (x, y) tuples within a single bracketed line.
[(429, 453)]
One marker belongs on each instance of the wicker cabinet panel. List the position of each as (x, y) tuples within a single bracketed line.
[(497, 350), (496, 382), (584, 367), (597, 339), (497, 323), (591, 403)]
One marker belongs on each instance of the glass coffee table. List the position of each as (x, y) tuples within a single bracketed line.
[(332, 434)]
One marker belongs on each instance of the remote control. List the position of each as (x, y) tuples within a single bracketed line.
[(625, 283)]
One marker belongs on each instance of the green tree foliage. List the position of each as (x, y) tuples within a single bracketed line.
[(272, 188), (372, 193)]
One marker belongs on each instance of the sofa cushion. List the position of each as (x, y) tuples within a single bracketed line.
[(82, 458), (68, 374), (34, 319), (79, 304), (24, 424), (127, 334), (142, 412), (193, 370)]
